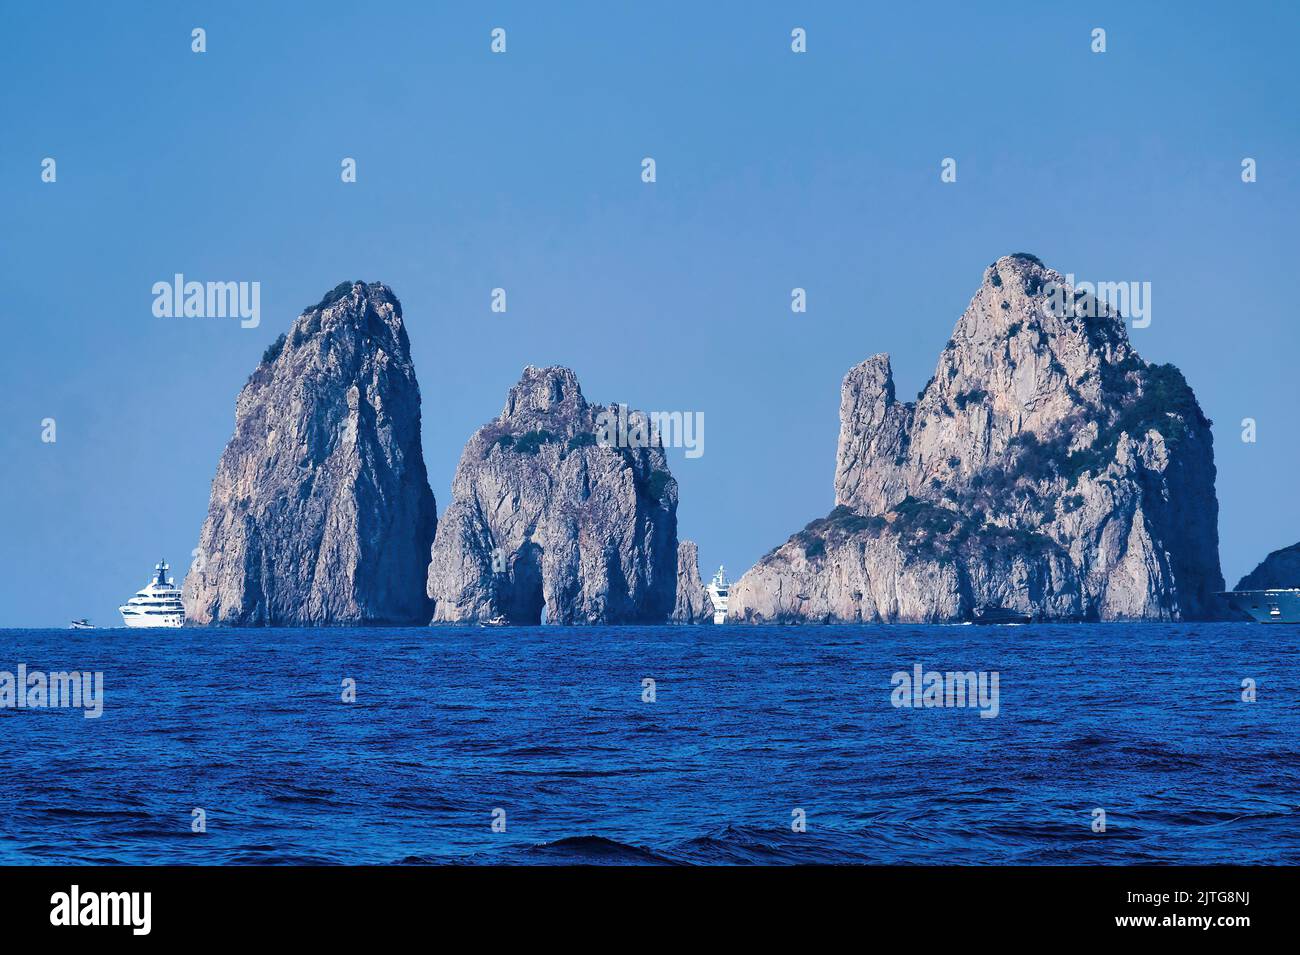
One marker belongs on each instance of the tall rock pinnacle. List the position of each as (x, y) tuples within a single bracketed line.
[(1045, 467), (693, 603), (321, 511), (545, 520)]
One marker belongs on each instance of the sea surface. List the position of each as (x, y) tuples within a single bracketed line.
[(548, 728)]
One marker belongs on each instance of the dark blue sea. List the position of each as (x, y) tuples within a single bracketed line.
[(748, 725)]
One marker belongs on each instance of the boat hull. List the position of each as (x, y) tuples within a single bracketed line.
[(999, 616), (719, 601), (1268, 606), (164, 621)]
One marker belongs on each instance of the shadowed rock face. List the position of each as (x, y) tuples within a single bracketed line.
[(693, 604), (544, 520), (1280, 570), (1044, 467), (321, 511)]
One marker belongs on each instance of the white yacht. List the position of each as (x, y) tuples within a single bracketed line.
[(1268, 606), (157, 605), (718, 590)]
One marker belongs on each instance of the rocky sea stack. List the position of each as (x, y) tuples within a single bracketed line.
[(693, 604), (544, 519), (321, 511), (1045, 468)]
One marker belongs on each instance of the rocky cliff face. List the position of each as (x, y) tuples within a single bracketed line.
[(693, 604), (1279, 570), (321, 511), (543, 517), (1044, 467)]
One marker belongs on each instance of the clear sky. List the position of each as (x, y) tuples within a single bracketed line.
[(523, 171)]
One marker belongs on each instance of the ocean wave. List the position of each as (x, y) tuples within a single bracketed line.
[(593, 850)]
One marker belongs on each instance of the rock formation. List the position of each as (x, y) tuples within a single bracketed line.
[(1279, 570), (321, 511), (552, 511), (693, 604), (1045, 467)]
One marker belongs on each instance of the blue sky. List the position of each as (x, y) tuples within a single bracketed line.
[(522, 171)]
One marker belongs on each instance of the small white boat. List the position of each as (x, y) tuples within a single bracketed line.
[(157, 605), (81, 623)]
